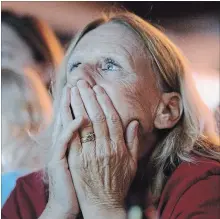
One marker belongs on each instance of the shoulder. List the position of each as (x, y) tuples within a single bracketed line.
[(193, 189), (28, 199), (8, 183), (199, 169), (32, 183), (32, 179)]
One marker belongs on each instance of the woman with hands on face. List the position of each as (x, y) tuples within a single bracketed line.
[(102, 153), (126, 132)]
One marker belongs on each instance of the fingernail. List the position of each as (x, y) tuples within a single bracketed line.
[(98, 89), (82, 84)]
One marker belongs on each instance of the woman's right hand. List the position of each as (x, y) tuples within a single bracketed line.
[(62, 196)]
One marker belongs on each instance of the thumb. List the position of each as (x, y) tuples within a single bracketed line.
[(132, 138)]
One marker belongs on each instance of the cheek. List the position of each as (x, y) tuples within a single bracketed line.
[(131, 104)]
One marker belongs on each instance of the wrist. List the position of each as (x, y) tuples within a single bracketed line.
[(56, 213), (103, 212)]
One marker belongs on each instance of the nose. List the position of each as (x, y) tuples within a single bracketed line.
[(82, 72)]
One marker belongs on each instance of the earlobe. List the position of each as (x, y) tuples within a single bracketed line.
[(169, 111)]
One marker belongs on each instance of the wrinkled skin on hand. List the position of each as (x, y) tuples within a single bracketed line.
[(62, 195), (102, 170), (102, 177)]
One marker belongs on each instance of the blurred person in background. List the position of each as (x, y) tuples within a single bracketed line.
[(30, 42), (30, 55), (26, 108), (128, 130), (217, 118)]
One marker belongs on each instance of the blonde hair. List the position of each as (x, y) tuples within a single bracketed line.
[(191, 133), (26, 110)]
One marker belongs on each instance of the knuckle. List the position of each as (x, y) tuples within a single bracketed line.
[(98, 118), (86, 121), (116, 133), (114, 118)]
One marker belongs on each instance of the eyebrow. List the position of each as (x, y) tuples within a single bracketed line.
[(130, 57), (115, 52)]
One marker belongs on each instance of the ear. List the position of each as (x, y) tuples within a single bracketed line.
[(169, 111)]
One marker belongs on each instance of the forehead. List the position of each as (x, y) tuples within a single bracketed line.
[(110, 36)]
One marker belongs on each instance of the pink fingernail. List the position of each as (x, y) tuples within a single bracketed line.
[(98, 89), (82, 84)]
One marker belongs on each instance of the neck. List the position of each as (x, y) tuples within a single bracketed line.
[(147, 144)]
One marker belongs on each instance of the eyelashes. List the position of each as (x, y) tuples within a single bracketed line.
[(110, 65), (107, 64), (74, 65)]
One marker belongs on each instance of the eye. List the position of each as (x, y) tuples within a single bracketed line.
[(110, 65), (74, 65)]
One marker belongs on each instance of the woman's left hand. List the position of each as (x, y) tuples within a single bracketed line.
[(102, 168)]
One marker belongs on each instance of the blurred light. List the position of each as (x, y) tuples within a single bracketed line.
[(135, 213), (209, 89)]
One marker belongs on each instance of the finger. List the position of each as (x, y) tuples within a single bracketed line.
[(78, 107), (87, 128), (57, 128), (79, 111), (131, 138), (93, 109), (66, 115), (75, 143), (113, 120), (68, 133)]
